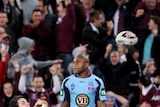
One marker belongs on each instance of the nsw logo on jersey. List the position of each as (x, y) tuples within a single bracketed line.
[(61, 92), (82, 100), (103, 92)]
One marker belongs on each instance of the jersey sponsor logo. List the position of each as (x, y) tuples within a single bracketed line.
[(82, 100), (103, 92), (81, 81), (90, 84), (61, 92), (90, 88), (156, 98)]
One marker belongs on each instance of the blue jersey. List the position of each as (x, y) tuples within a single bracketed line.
[(82, 92)]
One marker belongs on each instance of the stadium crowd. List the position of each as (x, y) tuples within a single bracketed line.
[(40, 38)]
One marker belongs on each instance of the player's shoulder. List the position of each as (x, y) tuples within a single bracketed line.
[(68, 78), (96, 78)]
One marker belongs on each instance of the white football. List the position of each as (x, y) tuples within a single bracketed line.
[(126, 38)]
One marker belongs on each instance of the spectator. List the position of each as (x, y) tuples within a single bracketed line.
[(50, 21), (4, 56), (9, 89), (149, 44), (119, 13), (39, 32), (18, 101), (6, 7), (143, 11), (135, 74), (117, 75), (96, 37), (24, 56), (65, 28), (88, 8), (110, 102), (6, 93), (37, 91), (4, 44), (11, 28), (150, 91)]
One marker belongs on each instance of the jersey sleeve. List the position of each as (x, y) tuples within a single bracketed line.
[(101, 93), (64, 93)]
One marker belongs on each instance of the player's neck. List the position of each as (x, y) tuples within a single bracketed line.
[(84, 74)]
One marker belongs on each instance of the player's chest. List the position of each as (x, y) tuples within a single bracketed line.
[(87, 87)]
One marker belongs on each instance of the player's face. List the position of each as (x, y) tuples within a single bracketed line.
[(38, 83), (22, 103), (79, 65)]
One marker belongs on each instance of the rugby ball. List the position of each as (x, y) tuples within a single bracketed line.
[(126, 38)]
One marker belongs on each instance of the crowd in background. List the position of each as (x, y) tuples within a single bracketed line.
[(40, 38)]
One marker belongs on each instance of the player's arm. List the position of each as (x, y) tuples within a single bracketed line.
[(100, 104), (64, 95), (101, 94), (64, 104)]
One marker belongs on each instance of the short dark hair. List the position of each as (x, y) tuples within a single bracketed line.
[(95, 15), (45, 2), (156, 20), (1, 11), (63, 3), (37, 10), (38, 76), (6, 82), (13, 102)]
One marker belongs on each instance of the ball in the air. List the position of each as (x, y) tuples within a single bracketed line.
[(126, 38)]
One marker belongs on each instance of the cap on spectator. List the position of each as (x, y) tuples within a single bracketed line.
[(4, 35)]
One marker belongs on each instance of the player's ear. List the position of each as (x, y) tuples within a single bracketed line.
[(86, 65)]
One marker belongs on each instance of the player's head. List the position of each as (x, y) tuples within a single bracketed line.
[(18, 101), (80, 64), (38, 83)]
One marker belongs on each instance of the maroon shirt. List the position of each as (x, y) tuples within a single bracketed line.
[(152, 96), (65, 31), (43, 95), (40, 35)]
